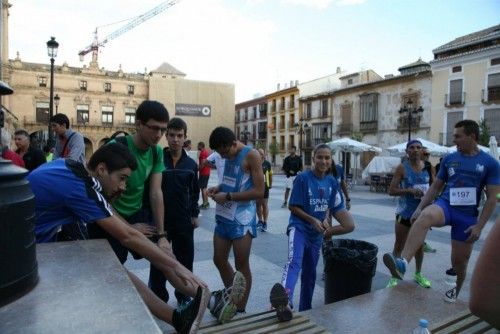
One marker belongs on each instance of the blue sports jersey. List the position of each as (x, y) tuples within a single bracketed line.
[(65, 193), (465, 178), (407, 204), (235, 179), (315, 196)]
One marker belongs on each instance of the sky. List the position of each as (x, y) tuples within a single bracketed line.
[(253, 44)]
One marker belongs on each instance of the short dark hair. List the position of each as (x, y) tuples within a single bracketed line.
[(151, 109), (60, 119), (470, 127), (294, 147), (115, 156), (22, 132), (187, 143), (201, 144), (221, 137), (177, 123)]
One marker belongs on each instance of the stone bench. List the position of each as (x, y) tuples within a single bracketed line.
[(464, 323)]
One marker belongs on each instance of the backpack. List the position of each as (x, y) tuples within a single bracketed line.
[(123, 141)]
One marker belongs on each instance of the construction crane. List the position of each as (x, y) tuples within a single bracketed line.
[(94, 47)]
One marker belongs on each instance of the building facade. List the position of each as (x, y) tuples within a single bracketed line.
[(100, 102), (466, 83)]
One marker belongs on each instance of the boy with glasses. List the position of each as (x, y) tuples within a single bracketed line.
[(142, 202)]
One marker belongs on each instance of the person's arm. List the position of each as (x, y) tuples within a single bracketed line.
[(270, 176), (195, 196), (485, 282), (39, 158), (488, 208), (430, 195), (136, 241), (433, 174), (346, 224), (157, 209), (286, 167), (76, 147), (252, 162), (394, 187), (299, 212)]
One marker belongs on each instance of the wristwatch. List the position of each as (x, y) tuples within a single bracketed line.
[(229, 197)]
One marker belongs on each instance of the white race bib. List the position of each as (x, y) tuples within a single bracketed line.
[(463, 196), (423, 187), (226, 210)]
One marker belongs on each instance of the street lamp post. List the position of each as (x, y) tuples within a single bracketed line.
[(302, 127), (412, 113), (52, 46), (56, 102)]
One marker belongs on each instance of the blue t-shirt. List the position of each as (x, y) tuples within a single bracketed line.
[(340, 173), (315, 196), (462, 173), (64, 193)]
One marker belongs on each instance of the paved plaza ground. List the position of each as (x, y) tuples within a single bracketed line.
[(374, 218)]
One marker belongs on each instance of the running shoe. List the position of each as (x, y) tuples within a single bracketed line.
[(186, 318), (279, 301), (392, 282), (396, 265), (450, 296), (224, 302), (263, 228), (421, 280), (284, 205)]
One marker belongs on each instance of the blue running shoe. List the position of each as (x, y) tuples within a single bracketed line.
[(396, 265)]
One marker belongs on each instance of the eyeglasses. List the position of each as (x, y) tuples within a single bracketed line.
[(155, 128)]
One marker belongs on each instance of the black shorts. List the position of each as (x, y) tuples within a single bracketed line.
[(266, 192), (203, 181), (403, 221)]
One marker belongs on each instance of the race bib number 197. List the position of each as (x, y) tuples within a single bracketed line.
[(463, 196)]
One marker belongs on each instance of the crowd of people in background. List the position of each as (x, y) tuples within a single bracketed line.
[(144, 200)]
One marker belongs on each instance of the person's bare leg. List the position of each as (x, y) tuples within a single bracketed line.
[(265, 209), (204, 195), (287, 192), (401, 235), (419, 259), (221, 259), (178, 284), (460, 254), (241, 249), (158, 307), (260, 205), (431, 216)]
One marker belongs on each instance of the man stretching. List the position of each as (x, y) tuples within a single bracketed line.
[(463, 175)]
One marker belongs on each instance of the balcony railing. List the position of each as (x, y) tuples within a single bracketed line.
[(492, 95), (454, 99), (345, 128), (322, 140), (371, 126)]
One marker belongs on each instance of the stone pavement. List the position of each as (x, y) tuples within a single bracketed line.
[(374, 217)]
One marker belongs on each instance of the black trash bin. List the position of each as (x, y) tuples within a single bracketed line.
[(349, 268)]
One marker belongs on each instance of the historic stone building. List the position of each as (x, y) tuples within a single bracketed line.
[(100, 102), (466, 83)]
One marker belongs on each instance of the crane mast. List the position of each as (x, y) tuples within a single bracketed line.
[(94, 47)]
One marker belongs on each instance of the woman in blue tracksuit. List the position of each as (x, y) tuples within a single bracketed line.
[(314, 200)]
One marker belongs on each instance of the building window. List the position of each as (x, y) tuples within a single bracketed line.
[(107, 87), (42, 112), (455, 91), (82, 114), (107, 115), (273, 106), (263, 110), (245, 114), (42, 81), (307, 114), (368, 112), (83, 85), (452, 119), (129, 116), (282, 143), (494, 87), (495, 61), (130, 89), (282, 105), (254, 113), (349, 81), (282, 122), (292, 101), (492, 118), (456, 69), (324, 108)]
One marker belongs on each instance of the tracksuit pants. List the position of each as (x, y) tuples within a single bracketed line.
[(303, 254)]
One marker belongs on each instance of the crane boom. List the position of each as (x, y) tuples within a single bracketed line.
[(94, 47)]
